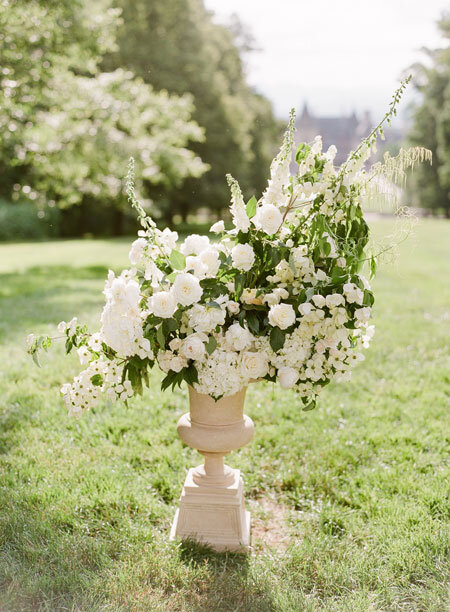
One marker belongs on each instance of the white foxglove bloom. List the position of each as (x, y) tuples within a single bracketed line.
[(237, 208), (162, 304), (281, 315), (187, 289), (243, 257)]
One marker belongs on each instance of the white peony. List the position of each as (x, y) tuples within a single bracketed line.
[(254, 365), (268, 218), (239, 338), (192, 347), (162, 304), (243, 257), (194, 244), (287, 377), (281, 315), (186, 289)]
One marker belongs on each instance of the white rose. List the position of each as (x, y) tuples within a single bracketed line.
[(233, 307), (238, 338), (243, 257), (177, 363), (268, 218), (287, 377), (254, 365), (194, 244), (281, 315), (186, 289), (318, 300), (217, 228), (194, 263), (193, 348), (162, 304)]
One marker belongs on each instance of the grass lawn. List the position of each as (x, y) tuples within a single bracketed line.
[(354, 494)]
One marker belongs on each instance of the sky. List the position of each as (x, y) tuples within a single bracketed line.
[(338, 55)]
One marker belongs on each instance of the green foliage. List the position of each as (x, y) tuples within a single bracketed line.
[(22, 221), (175, 45), (431, 184), (68, 128)]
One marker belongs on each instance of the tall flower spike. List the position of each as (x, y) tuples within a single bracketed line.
[(238, 212), (276, 192)]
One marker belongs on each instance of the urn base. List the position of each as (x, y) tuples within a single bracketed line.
[(213, 513)]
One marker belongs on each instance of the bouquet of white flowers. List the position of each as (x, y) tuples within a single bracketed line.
[(280, 296)]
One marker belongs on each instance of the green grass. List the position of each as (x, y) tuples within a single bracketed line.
[(86, 506)]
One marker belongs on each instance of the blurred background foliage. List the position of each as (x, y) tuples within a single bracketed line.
[(85, 84)]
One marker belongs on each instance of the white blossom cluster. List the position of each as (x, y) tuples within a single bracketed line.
[(279, 296)]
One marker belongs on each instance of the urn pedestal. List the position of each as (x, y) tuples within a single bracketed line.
[(212, 509)]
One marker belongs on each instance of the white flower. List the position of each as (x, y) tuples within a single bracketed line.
[(177, 363), (195, 264), (162, 304), (287, 377), (210, 259), (243, 257), (95, 342), (72, 326), (186, 289), (192, 347), (318, 300), (362, 314), (237, 208), (217, 228), (233, 307), (84, 354), (254, 365), (334, 299), (204, 319), (281, 315), (62, 327), (268, 218), (353, 294), (305, 308), (239, 338), (194, 244), (137, 251)]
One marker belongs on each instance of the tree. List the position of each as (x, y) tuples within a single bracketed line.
[(68, 128), (175, 45), (431, 127)]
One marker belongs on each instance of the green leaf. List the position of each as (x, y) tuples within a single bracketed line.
[(252, 321), (251, 207), (309, 406), (213, 304), (211, 345), (177, 260), (35, 359), (161, 337), (170, 325), (277, 338), (97, 380), (292, 264)]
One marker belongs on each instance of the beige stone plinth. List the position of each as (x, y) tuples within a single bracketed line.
[(212, 509)]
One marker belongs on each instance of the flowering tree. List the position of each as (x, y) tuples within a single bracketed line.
[(280, 296)]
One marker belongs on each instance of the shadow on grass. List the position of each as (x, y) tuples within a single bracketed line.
[(230, 584)]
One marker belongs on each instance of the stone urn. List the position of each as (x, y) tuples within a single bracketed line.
[(212, 509)]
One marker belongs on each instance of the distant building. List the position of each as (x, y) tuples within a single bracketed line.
[(343, 132)]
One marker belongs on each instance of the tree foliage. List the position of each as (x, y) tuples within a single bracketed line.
[(175, 45), (67, 127), (431, 127)]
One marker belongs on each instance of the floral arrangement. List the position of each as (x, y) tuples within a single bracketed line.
[(280, 296)]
